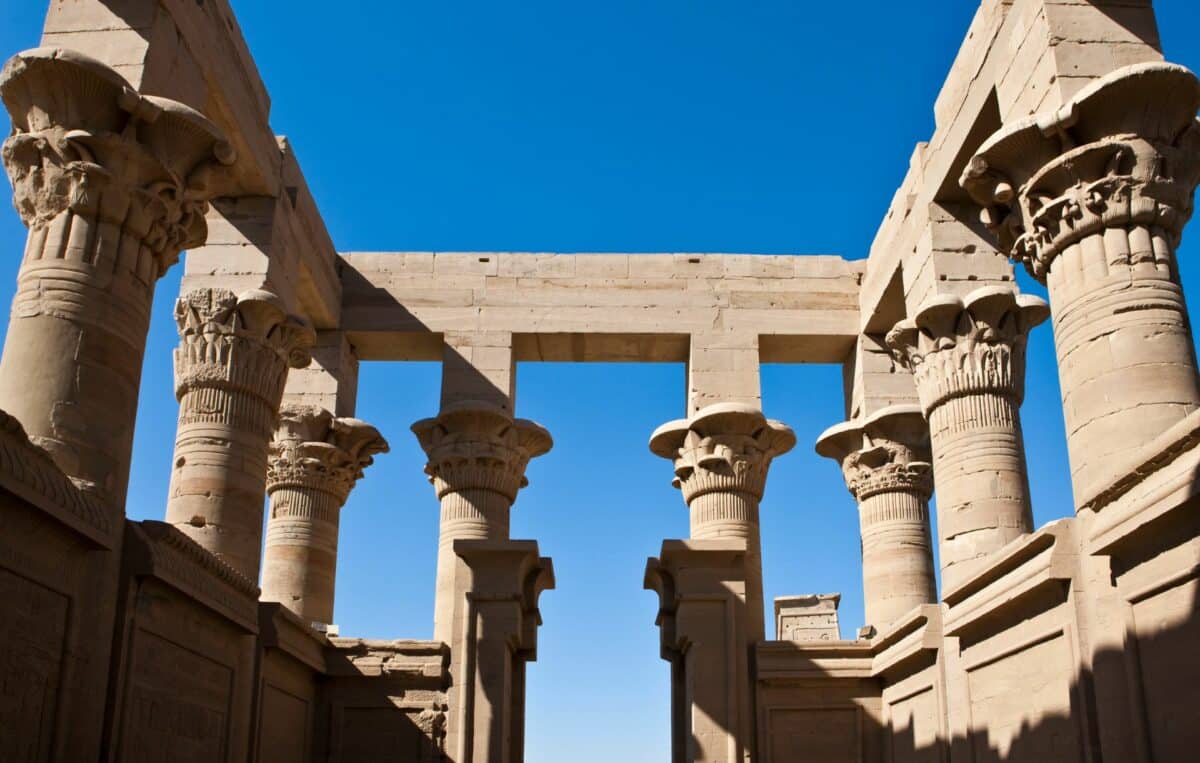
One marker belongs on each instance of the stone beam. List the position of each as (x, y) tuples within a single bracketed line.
[(1019, 57), (278, 243), (191, 52), (194, 53), (600, 307)]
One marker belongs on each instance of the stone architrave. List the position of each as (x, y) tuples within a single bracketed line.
[(1093, 199), (477, 454), (885, 460), (722, 454), (230, 369), (314, 461), (967, 356), (112, 185)]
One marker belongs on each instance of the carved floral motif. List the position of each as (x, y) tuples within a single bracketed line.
[(725, 447), (1124, 152), (963, 346), (134, 172), (473, 445), (887, 452), (314, 450), (234, 342)]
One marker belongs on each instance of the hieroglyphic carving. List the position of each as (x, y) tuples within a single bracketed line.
[(32, 638), (179, 703)]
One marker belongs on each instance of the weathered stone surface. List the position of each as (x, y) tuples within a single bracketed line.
[(1074, 641), (885, 460), (477, 458), (722, 454), (230, 369), (313, 462), (967, 356), (1093, 198)]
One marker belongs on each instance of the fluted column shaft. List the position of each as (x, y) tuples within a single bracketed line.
[(315, 461), (885, 462), (112, 185), (722, 454), (1093, 199), (230, 370), (897, 555), (477, 459), (968, 359)]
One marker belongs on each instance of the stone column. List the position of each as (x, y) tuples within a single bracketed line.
[(495, 634), (230, 369), (722, 454), (314, 461), (477, 458), (701, 585), (968, 358), (885, 460), (1093, 199), (112, 185)]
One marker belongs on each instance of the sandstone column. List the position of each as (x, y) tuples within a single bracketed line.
[(722, 454), (315, 460), (495, 635), (477, 458), (230, 369), (968, 359), (1093, 199), (112, 185), (885, 460)]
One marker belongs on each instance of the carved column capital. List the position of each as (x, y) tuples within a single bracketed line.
[(242, 342), (314, 450), (885, 453), (1123, 152), (130, 165), (722, 448), (963, 346), (472, 445)]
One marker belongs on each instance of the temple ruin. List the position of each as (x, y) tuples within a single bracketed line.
[(1064, 144)]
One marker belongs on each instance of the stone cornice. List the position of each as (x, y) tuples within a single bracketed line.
[(1125, 151), (238, 342), (161, 551), (28, 471), (726, 447), (474, 445), (964, 346), (886, 452), (313, 449), (84, 140)]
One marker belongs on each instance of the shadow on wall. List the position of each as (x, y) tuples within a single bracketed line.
[(1008, 683)]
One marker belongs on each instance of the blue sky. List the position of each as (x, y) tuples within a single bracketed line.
[(630, 125)]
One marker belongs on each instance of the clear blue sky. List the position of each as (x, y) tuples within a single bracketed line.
[(629, 125)]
